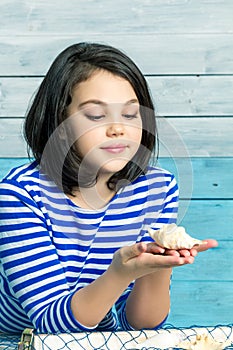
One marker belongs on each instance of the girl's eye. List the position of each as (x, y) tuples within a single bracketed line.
[(95, 117), (130, 116)]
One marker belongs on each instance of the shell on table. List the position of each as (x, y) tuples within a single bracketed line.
[(204, 342), (171, 236)]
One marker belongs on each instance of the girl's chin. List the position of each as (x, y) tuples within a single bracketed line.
[(113, 166)]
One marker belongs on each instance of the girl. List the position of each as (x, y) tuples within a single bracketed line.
[(75, 252)]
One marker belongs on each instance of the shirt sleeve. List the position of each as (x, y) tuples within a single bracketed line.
[(30, 263)]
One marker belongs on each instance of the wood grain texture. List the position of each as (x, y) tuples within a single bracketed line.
[(153, 16), (6, 164), (173, 96), (154, 53), (199, 137), (206, 266), (202, 177), (201, 303), (191, 96), (179, 137), (12, 143), (211, 218), (210, 179)]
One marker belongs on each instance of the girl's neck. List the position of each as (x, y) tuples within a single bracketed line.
[(94, 197)]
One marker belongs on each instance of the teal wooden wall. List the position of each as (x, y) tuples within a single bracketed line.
[(185, 50)]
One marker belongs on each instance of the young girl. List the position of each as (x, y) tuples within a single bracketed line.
[(75, 253)]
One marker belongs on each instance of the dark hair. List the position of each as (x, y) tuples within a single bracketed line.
[(48, 110)]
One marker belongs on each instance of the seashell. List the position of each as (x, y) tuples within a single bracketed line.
[(171, 236), (203, 342)]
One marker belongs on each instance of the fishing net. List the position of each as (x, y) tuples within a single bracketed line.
[(9, 341), (169, 337)]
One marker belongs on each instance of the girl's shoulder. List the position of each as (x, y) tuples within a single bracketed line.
[(28, 172), (155, 174), (155, 179), (157, 171), (21, 182)]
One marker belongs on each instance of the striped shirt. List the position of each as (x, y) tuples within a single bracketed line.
[(50, 248)]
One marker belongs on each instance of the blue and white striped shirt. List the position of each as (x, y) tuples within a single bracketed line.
[(50, 247)]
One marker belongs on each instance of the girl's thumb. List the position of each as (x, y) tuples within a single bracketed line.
[(136, 249)]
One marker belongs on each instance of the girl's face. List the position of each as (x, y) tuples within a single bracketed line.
[(106, 122)]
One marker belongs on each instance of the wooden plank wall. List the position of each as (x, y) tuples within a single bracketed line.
[(185, 50)]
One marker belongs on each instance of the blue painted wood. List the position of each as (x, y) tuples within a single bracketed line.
[(211, 218), (206, 180), (6, 164), (202, 177), (201, 303), (206, 265)]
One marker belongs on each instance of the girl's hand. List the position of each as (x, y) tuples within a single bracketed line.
[(140, 259), (209, 243)]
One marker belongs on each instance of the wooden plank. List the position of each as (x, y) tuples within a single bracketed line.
[(207, 178), (207, 183), (189, 96), (195, 137), (194, 16), (173, 96), (154, 53), (179, 137), (15, 95), (6, 164), (12, 143), (201, 303), (206, 265), (207, 218)]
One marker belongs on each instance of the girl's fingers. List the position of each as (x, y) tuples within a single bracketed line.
[(173, 260), (132, 251), (184, 252), (172, 252), (208, 243), (153, 248)]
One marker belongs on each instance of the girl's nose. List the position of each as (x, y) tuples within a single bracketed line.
[(115, 130)]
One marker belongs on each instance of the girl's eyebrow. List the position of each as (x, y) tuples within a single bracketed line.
[(102, 103)]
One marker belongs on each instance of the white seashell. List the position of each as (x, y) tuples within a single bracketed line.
[(204, 342), (171, 236)]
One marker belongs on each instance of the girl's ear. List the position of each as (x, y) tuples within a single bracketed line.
[(62, 133), (62, 128)]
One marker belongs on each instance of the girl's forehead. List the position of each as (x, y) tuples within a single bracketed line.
[(106, 87)]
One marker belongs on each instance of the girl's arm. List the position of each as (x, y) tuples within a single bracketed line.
[(149, 302), (137, 262)]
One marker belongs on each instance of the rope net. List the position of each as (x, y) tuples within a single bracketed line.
[(168, 338)]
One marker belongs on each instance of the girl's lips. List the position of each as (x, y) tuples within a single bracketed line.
[(114, 148)]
